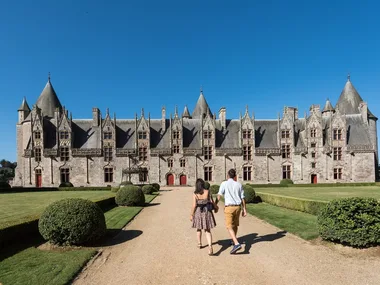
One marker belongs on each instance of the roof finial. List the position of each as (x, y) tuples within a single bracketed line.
[(142, 112), (49, 76), (107, 111), (175, 110), (246, 109), (201, 89), (348, 77)]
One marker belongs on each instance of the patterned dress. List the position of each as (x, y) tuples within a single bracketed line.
[(203, 218)]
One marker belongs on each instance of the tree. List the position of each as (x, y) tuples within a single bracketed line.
[(7, 170)]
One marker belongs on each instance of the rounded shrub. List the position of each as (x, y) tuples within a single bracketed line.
[(286, 182), (156, 187), (130, 196), (214, 189), (72, 221), (4, 185), (351, 221), (66, 184), (207, 185), (126, 183), (148, 189), (249, 193)]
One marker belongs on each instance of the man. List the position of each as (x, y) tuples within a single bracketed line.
[(234, 203)]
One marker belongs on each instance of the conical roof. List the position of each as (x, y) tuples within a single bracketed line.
[(186, 113), (201, 108), (48, 101), (328, 107), (24, 106)]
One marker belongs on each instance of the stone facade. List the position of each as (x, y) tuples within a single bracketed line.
[(325, 146)]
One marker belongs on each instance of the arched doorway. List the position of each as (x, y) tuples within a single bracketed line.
[(183, 180), (314, 179), (38, 173), (170, 179)]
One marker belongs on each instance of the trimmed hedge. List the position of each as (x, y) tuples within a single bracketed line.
[(156, 187), (126, 183), (72, 221), (207, 185), (4, 186), (66, 184), (304, 205), (90, 188), (115, 189), (351, 221), (249, 193), (313, 185), (148, 189), (130, 196), (214, 189), (286, 182)]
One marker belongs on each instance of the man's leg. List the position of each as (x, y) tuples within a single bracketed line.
[(229, 216)]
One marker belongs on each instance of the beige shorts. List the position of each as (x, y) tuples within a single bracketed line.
[(231, 215)]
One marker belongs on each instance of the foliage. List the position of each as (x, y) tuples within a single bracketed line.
[(207, 185), (156, 187), (214, 189), (4, 185), (249, 193), (72, 221), (130, 196), (126, 183), (7, 170), (286, 182), (298, 204), (148, 189), (66, 184), (115, 189), (351, 221)]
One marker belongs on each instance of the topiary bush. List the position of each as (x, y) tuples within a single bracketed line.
[(66, 184), (148, 189), (214, 189), (72, 221), (207, 185), (351, 221), (249, 193), (156, 187), (126, 183), (4, 186), (286, 182), (130, 196)]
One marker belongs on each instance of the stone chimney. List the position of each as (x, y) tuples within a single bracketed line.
[(163, 119), (96, 117), (222, 117)]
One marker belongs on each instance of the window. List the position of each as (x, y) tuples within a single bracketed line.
[(108, 174), (286, 172), (37, 135), (175, 148), (175, 135), (247, 134), (337, 173), (337, 152), (207, 152), (313, 164), (313, 133), (64, 153), (37, 154), (182, 162), (142, 135), (208, 173), (170, 163), (285, 134), (143, 176), (247, 152), (65, 175), (247, 173), (107, 135), (285, 149), (313, 145), (313, 154), (337, 134), (64, 135), (107, 153), (143, 154), (207, 134)]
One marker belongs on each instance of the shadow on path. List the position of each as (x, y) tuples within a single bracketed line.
[(151, 204), (119, 236), (248, 241)]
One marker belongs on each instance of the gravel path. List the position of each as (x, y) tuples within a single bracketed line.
[(160, 247)]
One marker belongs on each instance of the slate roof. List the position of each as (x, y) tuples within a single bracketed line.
[(48, 101), (266, 133), (328, 107), (186, 113), (201, 108), (24, 106), (357, 132)]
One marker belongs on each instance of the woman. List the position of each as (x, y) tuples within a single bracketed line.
[(201, 213)]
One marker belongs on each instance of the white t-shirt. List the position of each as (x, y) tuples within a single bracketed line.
[(232, 191)]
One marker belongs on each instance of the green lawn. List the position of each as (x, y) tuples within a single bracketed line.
[(301, 224), (324, 193), (17, 207)]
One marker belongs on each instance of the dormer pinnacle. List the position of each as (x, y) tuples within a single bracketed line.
[(24, 106), (186, 113), (201, 108)]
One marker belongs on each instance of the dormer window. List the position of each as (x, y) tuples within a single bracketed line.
[(142, 135), (247, 134), (313, 133), (285, 134), (107, 135), (176, 135), (337, 134), (37, 135), (64, 135), (207, 134)]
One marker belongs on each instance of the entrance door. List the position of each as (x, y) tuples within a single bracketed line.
[(182, 180), (170, 179), (314, 179), (38, 178)]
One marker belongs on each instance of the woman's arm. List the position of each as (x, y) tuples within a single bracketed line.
[(213, 202), (193, 207)]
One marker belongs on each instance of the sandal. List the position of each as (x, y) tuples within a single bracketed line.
[(210, 251), (199, 245)]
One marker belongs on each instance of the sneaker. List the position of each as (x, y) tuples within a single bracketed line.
[(235, 248)]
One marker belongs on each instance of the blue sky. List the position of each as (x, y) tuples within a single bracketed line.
[(125, 55)]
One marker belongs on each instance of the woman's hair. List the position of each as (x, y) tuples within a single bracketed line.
[(199, 186)]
